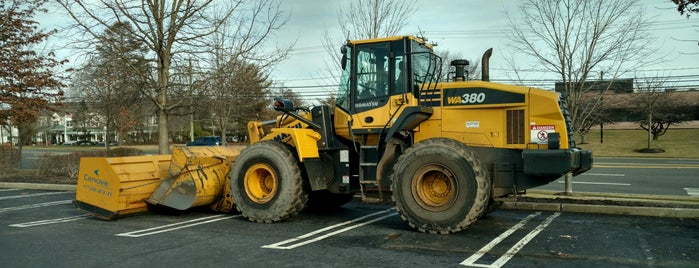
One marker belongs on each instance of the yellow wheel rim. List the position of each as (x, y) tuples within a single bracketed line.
[(260, 183), (434, 188)]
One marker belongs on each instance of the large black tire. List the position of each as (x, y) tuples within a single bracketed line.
[(266, 183), (439, 186)]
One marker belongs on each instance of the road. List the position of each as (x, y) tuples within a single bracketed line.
[(656, 176), (42, 229)]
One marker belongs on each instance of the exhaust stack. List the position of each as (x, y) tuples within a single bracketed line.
[(485, 65)]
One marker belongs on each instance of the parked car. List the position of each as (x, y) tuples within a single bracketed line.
[(85, 143), (70, 143), (206, 141)]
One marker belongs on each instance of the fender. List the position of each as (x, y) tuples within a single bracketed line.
[(303, 139)]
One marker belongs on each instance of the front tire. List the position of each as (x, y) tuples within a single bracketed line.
[(266, 183), (439, 186)]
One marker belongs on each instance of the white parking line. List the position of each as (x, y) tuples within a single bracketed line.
[(30, 195), (471, 261), (7, 190), (603, 174), (51, 221), (176, 226), (55, 203), (598, 183), (692, 191), (308, 236), (514, 249)]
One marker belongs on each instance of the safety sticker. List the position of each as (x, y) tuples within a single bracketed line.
[(540, 133)]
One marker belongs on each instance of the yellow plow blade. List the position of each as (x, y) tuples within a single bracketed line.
[(197, 176), (109, 187)]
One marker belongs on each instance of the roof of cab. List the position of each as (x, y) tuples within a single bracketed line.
[(388, 39)]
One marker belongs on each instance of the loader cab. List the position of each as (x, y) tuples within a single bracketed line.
[(375, 71)]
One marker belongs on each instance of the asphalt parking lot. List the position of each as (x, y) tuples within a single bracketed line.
[(41, 228)]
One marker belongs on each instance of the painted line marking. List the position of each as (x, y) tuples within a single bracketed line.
[(176, 226), (598, 183), (47, 204), (485, 249), (376, 217), (683, 162), (692, 191), (471, 261), (30, 195), (51, 221), (639, 164), (7, 190), (603, 174), (646, 166)]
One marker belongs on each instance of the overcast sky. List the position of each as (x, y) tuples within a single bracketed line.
[(464, 27)]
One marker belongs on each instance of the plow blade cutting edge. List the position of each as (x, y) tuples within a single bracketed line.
[(190, 177)]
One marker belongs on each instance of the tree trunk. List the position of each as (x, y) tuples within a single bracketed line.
[(583, 137), (20, 144), (163, 142)]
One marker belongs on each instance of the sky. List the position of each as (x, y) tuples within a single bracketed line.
[(465, 27)]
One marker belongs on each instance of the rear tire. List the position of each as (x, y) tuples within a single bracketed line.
[(266, 183), (439, 186)]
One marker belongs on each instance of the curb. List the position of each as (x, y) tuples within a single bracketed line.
[(662, 212), (38, 186), (606, 203)]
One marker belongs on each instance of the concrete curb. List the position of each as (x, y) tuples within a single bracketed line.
[(663, 212), (38, 186), (607, 203)]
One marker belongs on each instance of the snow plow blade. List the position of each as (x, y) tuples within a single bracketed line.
[(197, 176), (110, 187)]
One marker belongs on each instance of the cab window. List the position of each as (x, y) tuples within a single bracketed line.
[(372, 71)]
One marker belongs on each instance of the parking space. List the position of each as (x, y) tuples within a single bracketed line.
[(41, 228)]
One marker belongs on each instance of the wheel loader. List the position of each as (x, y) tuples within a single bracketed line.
[(443, 151)]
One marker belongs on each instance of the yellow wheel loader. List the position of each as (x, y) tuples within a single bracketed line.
[(442, 151)]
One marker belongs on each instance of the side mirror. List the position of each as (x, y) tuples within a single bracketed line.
[(343, 61)]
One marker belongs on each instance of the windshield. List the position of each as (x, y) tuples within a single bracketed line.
[(425, 65)]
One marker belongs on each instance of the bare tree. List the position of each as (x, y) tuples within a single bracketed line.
[(575, 39), (238, 79), (657, 108), (473, 72), (375, 18), (687, 6), (364, 19), (167, 27), (112, 78), (240, 95)]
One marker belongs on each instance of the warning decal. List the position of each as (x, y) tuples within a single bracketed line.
[(540, 133)]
